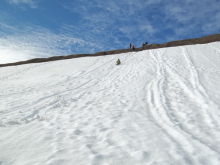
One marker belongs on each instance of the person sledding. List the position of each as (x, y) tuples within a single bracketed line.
[(118, 62)]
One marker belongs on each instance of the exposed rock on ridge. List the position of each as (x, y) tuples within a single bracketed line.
[(203, 40)]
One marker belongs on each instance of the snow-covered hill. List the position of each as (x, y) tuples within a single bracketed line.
[(159, 107)]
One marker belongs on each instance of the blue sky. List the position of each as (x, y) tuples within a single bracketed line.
[(44, 28)]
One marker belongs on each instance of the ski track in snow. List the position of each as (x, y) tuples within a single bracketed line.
[(158, 107)]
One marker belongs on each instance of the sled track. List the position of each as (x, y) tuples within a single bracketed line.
[(161, 114)]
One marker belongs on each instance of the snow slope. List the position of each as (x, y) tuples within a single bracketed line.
[(160, 107)]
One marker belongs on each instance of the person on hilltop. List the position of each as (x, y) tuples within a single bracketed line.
[(146, 43), (130, 45), (118, 62), (133, 47)]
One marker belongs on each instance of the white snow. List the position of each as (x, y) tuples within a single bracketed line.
[(159, 107)]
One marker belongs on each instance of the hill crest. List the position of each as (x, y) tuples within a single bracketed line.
[(202, 40)]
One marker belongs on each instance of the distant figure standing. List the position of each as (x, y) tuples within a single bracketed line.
[(144, 44), (130, 45), (133, 47)]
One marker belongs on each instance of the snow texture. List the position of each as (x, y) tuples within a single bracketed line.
[(159, 107)]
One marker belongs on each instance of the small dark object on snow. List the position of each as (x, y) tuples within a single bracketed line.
[(118, 62)]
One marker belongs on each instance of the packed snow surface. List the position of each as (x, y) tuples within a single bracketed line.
[(159, 107)]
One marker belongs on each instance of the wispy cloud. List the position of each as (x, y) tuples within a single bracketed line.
[(114, 21), (36, 42), (152, 21), (193, 17), (31, 3)]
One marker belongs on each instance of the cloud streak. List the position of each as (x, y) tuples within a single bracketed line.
[(148, 20), (31, 3), (193, 17), (114, 21), (36, 42)]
